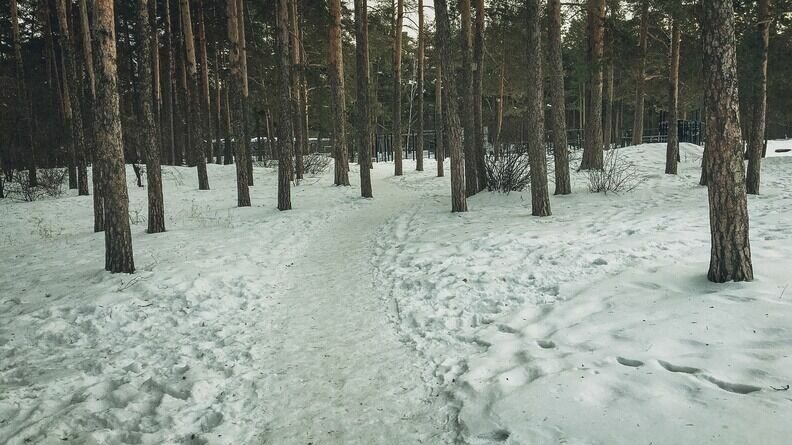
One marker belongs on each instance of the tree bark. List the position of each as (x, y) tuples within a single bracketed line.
[(759, 117), (540, 201), (607, 121), (419, 147), (245, 89), (439, 128), (469, 136), (148, 128), (563, 184), (592, 144), (236, 85), (478, 80), (672, 148), (450, 116), (197, 133), (398, 18), (296, 94), (730, 257), (168, 140), (285, 104), (363, 115), (206, 100), (640, 77), (109, 146), (335, 68)]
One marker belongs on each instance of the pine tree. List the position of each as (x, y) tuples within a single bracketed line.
[(235, 94), (398, 18), (478, 81), (759, 117), (469, 137), (540, 202), (672, 147), (335, 68), (592, 150), (285, 103), (451, 125), (730, 257), (196, 129), (363, 114), (640, 76), (23, 99), (421, 62), (109, 146), (563, 185)]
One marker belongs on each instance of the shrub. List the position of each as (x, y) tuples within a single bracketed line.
[(316, 163), (510, 172), (618, 175)]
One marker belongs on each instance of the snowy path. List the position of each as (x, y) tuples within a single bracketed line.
[(346, 376)]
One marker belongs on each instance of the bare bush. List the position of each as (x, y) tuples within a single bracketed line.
[(51, 180), (315, 164), (50, 183), (618, 175), (510, 172)]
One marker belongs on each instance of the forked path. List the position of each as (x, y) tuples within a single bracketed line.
[(344, 374)]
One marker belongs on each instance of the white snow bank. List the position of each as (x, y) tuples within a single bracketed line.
[(597, 325)]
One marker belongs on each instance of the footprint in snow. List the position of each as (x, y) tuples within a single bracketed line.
[(629, 362)]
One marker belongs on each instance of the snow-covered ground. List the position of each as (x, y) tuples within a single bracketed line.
[(779, 147), (394, 321)]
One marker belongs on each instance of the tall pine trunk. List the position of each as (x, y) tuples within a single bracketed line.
[(148, 127), (563, 185), (419, 147), (451, 123), (478, 80), (398, 18), (730, 258), (236, 113), (672, 147), (540, 201), (197, 132), (285, 105), (640, 77), (363, 112), (440, 153), (592, 144), (109, 145), (296, 94), (335, 69), (469, 136), (245, 89), (206, 99), (759, 118), (169, 136)]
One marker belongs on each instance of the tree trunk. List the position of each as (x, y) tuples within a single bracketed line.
[(206, 101), (109, 146), (640, 76), (607, 122), (217, 111), (363, 115), (563, 185), (228, 149), (469, 136), (758, 121), (168, 140), (335, 69), (478, 80), (419, 148), (236, 84), (730, 257), (439, 130), (296, 94), (285, 104), (148, 128), (672, 148), (23, 98), (245, 139), (197, 133), (398, 18), (540, 201), (592, 144), (450, 116)]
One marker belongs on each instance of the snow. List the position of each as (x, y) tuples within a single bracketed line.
[(779, 147), (394, 321)]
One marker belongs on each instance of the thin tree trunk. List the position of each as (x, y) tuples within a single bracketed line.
[(148, 128), (23, 98), (450, 116), (245, 139), (197, 132), (335, 69), (285, 105), (217, 112), (501, 104), (563, 185), (118, 237), (398, 19), (758, 122), (228, 150), (592, 149), (206, 101), (363, 114), (640, 76), (540, 201), (478, 80), (730, 258), (439, 119), (607, 122), (296, 94), (469, 135), (237, 96), (672, 148), (419, 147), (168, 140)]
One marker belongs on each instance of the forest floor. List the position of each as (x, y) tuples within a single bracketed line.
[(394, 321)]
